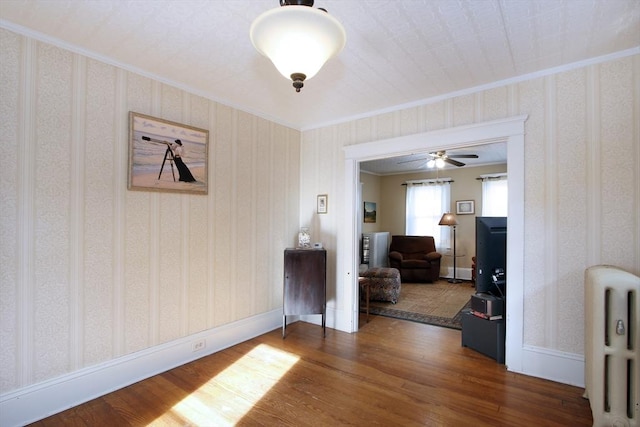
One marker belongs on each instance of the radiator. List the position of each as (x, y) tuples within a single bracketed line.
[(612, 339)]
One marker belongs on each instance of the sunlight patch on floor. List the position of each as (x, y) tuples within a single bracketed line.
[(231, 394)]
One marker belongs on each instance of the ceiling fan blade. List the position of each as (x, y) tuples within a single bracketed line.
[(414, 160), (463, 156), (454, 162)]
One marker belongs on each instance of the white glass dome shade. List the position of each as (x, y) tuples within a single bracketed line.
[(297, 39)]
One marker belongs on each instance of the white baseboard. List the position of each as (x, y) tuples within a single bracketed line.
[(38, 401), (334, 319), (558, 366), (461, 273)]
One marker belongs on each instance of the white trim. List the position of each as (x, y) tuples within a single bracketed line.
[(347, 320), (35, 402), (332, 317), (481, 88), (567, 368), (514, 340), (448, 138), (462, 273), (510, 130)]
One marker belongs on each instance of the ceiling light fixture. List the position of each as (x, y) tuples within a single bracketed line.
[(433, 163), (297, 38)]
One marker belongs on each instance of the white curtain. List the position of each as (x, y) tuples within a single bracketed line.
[(495, 195), (426, 202)]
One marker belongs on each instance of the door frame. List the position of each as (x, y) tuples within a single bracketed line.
[(510, 130)]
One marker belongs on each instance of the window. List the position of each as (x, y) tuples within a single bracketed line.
[(426, 202), (495, 195)]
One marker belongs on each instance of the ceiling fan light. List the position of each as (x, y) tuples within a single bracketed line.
[(297, 39), (439, 162), (431, 163)]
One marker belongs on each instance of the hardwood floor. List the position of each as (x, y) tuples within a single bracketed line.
[(391, 373)]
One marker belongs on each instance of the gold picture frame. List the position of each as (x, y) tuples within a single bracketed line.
[(167, 156)]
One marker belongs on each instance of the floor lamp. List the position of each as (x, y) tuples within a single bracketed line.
[(449, 219)]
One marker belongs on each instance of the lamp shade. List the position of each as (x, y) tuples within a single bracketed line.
[(448, 219), (297, 39)]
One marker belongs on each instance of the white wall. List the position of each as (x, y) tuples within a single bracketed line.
[(581, 186), (91, 272)]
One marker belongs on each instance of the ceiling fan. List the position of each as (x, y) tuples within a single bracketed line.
[(439, 158)]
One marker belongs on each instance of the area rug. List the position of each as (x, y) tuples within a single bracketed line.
[(440, 303)]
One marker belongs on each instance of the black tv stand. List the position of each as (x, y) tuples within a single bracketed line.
[(484, 336)]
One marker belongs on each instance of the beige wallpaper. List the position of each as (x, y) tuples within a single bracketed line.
[(582, 179), (91, 271)]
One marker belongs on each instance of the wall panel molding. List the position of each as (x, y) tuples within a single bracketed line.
[(185, 226), (593, 166), (120, 161), (233, 223), (154, 237), (211, 216), (76, 212), (551, 211), (26, 209)]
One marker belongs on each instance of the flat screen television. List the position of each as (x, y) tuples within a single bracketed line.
[(491, 255)]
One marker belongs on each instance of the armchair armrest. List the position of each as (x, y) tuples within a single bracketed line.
[(433, 256), (395, 256)]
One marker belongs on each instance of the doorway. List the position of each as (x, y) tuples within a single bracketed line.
[(511, 131)]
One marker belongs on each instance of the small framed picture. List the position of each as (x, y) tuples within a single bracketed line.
[(370, 212), (465, 207), (322, 204)]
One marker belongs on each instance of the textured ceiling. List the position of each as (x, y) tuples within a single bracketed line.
[(398, 53)]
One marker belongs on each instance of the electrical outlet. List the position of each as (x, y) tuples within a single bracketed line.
[(198, 345)]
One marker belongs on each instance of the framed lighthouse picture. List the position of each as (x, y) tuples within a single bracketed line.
[(167, 156)]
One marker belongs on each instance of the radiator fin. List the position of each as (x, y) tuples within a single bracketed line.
[(632, 321), (611, 346), (631, 374)]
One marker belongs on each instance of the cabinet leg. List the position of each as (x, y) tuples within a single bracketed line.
[(284, 325)]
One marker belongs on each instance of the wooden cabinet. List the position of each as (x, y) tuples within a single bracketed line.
[(305, 284)]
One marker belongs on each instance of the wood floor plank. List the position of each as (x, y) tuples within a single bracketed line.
[(391, 373)]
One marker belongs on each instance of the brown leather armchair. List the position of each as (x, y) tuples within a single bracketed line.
[(415, 257)]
